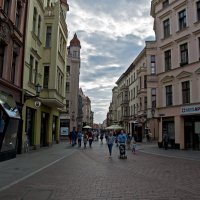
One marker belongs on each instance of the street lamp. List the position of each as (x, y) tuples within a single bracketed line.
[(152, 114), (38, 89)]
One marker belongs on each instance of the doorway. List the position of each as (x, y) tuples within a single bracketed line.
[(44, 129)]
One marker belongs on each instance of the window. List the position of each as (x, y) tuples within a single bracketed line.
[(167, 60), (184, 54), (36, 72), (198, 10), (18, 13), (48, 36), (145, 103), (14, 61), (31, 69), (2, 51), (75, 54), (182, 19), (168, 95), (6, 6), (67, 87), (199, 46), (153, 97), (68, 69), (186, 92), (153, 64), (39, 26), (46, 77), (166, 28), (165, 3), (145, 81), (34, 19)]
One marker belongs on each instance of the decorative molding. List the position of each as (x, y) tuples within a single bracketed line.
[(182, 38), (5, 32), (183, 74), (167, 79), (169, 44), (180, 5), (35, 53), (165, 14)]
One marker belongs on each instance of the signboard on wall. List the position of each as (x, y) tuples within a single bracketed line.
[(190, 109)]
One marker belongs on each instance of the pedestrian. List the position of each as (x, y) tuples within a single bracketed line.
[(85, 139), (110, 141), (128, 142), (101, 138), (90, 138), (134, 147), (122, 138), (74, 137), (165, 140), (79, 136)]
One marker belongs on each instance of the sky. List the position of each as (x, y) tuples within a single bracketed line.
[(112, 33)]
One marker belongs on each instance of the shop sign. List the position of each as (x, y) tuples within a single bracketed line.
[(190, 109)]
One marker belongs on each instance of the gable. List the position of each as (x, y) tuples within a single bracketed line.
[(167, 79), (183, 74)]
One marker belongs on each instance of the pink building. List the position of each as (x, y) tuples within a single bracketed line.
[(177, 106), (12, 20)]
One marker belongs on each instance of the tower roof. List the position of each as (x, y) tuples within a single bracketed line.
[(75, 41)]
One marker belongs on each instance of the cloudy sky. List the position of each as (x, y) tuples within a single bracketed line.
[(112, 33)]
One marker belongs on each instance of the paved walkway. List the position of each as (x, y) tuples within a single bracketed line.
[(60, 172)]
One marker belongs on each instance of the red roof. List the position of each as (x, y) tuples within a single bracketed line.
[(75, 41)]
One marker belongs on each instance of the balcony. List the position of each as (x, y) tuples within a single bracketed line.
[(51, 98), (125, 102), (124, 88)]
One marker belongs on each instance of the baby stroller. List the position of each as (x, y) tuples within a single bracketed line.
[(122, 151)]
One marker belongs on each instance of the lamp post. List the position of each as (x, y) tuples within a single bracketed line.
[(38, 89), (152, 114)]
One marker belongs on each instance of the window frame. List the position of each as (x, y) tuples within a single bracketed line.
[(182, 19), (185, 92), (169, 95), (167, 58), (184, 54), (166, 28)]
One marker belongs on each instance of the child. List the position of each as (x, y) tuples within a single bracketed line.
[(134, 147)]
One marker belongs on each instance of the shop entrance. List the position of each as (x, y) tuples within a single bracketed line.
[(44, 129), (192, 132)]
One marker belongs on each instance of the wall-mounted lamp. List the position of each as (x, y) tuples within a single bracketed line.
[(38, 89)]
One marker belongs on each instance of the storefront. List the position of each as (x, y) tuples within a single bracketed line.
[(9, 123), (191, 115)]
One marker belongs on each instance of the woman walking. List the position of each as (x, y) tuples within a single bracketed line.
[(110, 141)]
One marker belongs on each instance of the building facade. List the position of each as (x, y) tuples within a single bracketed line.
[(44, 64), (12, 26), (177, 29)]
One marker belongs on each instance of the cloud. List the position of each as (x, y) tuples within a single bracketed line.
[(112, 33)]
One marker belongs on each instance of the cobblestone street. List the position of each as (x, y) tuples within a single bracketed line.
[(89, 174)]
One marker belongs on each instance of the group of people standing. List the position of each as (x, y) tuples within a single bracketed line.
[(87, 136), (75, 136)]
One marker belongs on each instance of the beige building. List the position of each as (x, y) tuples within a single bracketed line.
[(45, 64), (69, 119), (160, 90), (177, 29)]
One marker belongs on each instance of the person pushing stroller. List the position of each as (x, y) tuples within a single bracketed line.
[(122, 138)]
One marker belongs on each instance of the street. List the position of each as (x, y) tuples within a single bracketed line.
[(89, 174)]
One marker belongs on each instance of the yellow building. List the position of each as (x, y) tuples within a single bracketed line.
[(44, 64)]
